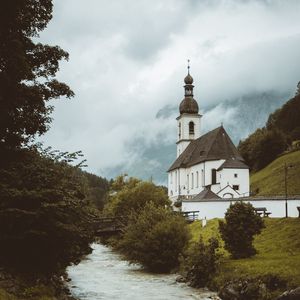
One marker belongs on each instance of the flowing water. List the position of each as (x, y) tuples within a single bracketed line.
[(104, 275)]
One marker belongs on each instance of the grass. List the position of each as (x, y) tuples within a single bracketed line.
[(270, 180), (278, 249), (6, 296)]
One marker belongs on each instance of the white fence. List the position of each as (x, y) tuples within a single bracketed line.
[(210, 209)]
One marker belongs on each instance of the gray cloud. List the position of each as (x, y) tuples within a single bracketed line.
[(128, 61)]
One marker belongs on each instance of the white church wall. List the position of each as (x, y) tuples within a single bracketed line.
[(181, 147), (184, 120), (232, 177), (208, 166), (217, 208), (191, 181), (184, 136)]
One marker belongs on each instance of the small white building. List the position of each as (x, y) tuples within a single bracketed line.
[(207, 165)]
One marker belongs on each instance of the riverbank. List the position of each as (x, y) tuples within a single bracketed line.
[(277, 261), (22, 287)]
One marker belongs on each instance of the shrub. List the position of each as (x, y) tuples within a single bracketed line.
[(201, 262), (155, 238), (242, 224)]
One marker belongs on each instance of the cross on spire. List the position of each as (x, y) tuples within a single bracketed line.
[(188, 67)]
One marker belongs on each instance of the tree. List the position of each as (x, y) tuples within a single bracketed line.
[(45, 219), (132, 195), (27, 72), (238, 231), (201, 262), (262, 147), (155, 238), (298, 89)]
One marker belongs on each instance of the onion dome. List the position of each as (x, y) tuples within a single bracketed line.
[(188, 79), (188, 106)]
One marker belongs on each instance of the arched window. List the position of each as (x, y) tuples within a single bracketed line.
[(213, 176), (191, 128), (197, 179), (176, 181), (179, 130)]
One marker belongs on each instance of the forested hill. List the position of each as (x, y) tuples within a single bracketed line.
[(280, 134)]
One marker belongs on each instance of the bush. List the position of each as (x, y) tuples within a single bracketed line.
[(155, 238), (242, 224), (201, 262)]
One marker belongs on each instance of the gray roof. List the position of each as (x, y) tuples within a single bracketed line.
[(205, 195), (233, 164), (213, 145)]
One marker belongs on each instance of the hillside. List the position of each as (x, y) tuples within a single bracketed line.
[(270, 180), (278, 252)]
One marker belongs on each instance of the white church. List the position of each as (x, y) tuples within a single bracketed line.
[(207, 166), (209, 173)]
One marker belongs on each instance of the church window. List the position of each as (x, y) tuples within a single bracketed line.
[(191, 128), (213, 176), (179, 130), (188, 183), (192, 180), (171, 178), (175, 181), (202, 177), (236, 187), (197, 179), (235, 175)]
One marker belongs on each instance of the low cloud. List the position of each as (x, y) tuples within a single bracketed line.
[(128, 61)]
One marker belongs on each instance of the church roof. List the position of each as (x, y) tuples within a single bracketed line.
[(233, 164), (205, 195), (213, 145), (189, 106)]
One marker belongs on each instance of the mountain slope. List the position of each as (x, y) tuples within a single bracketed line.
[(270, 180)]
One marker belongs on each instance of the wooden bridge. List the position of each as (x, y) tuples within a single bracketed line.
[(108, 226)]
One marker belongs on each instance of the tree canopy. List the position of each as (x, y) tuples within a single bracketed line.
[(265, 144), (239, 228), (131, 195), (155, 238), (27, 71)]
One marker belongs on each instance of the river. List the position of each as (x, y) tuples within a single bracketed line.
[(104, 275)]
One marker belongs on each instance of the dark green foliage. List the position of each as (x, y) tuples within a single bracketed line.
[(238, 231), (155, 238), (27, 71), (45, 219), (287, 118), (262, 147), (131, 195), (98, 189), (201, 262), (265, 144)]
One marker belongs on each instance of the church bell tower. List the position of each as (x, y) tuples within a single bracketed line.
[(188, 122)]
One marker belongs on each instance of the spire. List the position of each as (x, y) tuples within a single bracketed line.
[(188, 104), (188, 79)]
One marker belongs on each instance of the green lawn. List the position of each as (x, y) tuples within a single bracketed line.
[(278, 251), (270, 180)]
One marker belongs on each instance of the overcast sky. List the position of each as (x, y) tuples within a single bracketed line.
[(128, 60)]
